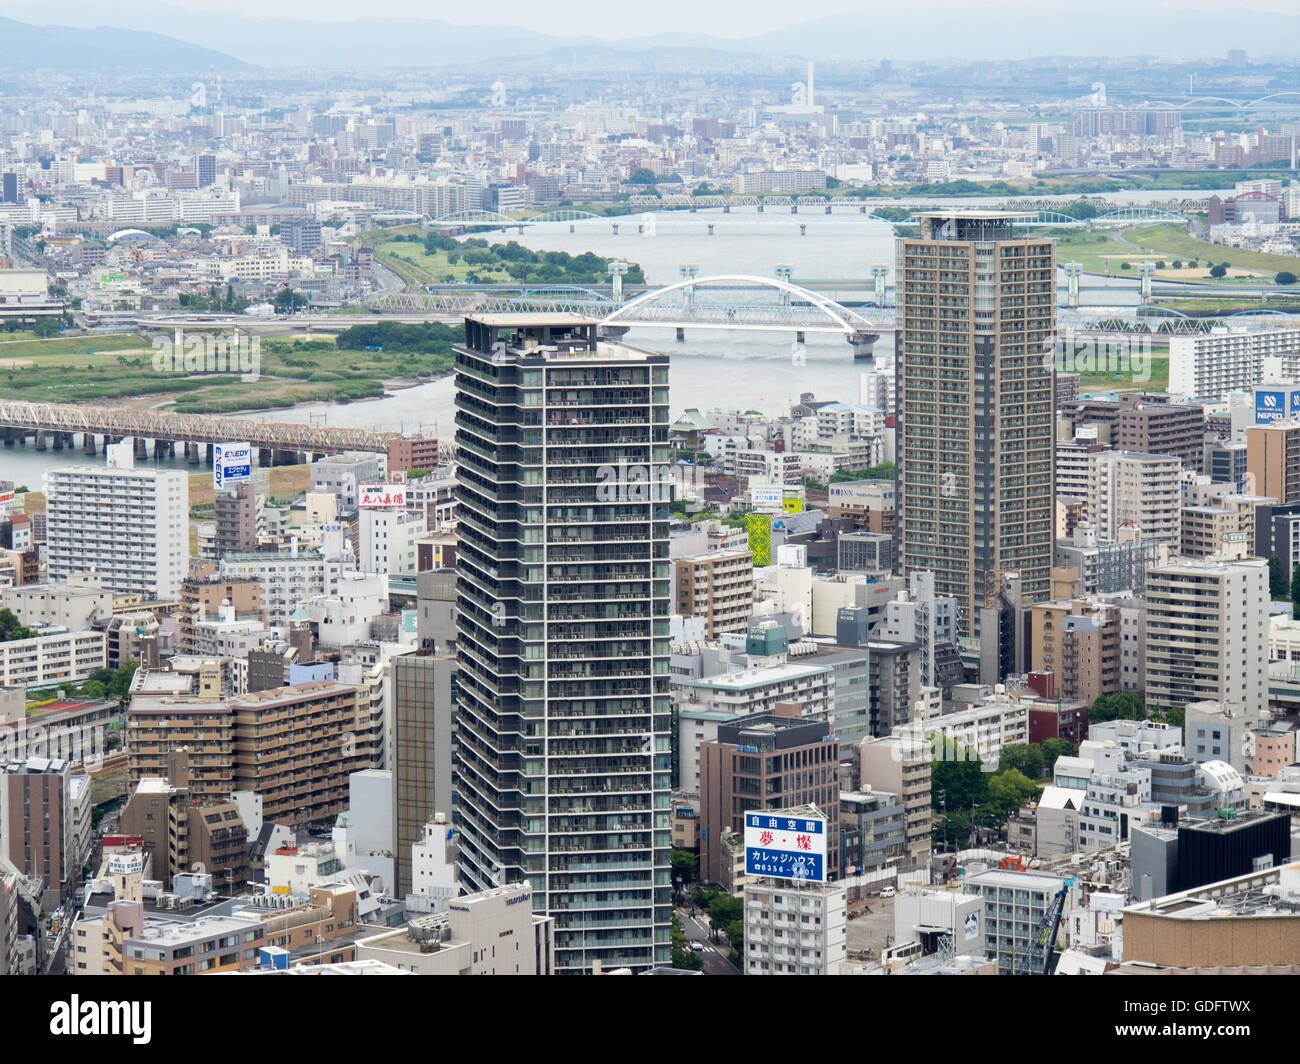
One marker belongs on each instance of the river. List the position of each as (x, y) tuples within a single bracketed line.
[(734, 370)]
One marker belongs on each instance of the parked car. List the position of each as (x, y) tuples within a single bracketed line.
[(888, 892)]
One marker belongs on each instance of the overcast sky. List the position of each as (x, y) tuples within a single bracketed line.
[(610, 19)]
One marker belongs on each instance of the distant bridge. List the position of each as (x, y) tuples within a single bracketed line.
[(61, 421)]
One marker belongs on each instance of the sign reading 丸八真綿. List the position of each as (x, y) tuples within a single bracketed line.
[(231, 463), (785, 847), (379, 496)]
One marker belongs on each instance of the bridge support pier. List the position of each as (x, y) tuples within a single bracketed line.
[(40, 440), (681, 334), (710, 229), (264, 457), (9, 437), (828, 208), (612, 332), (862, 210), (88, 442), (803, 229), (57, 443), (863, 344), (192, 453), (640, 230), (572, 228), (760, 208), (615, 228), (800, 338), (726, 208), (141, 446), (161, 448), (794, 208)]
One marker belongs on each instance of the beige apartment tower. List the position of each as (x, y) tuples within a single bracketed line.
[(976, 318)]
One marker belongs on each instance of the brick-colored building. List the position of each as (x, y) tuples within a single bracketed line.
[(1079, 643), (766, 762), (411, 452), (717, 587)]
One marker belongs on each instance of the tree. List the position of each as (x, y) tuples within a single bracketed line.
[(683, 957), (1284, 277), (1125, 266), (686, 867), (1277, 588), (44, 327), (1218, 271), (1126, 706), (1008, 791), (1026, 758), (1176, 716), (287, 301), (642, 176), (1054, 748), (11, 628)]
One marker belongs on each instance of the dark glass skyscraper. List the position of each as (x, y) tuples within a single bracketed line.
[(562, 759)]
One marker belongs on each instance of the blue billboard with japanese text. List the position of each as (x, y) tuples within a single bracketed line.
[(784, 846)]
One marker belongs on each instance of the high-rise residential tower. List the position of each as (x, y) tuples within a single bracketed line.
[(563, 574), (976, 319)]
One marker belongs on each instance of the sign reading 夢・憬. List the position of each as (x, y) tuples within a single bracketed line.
[(785, 847)]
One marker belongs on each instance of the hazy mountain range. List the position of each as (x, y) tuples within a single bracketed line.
[(140, 38)]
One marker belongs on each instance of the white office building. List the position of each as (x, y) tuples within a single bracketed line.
[(53, 656), (795, 928), (1207, 633), (131, 526), (387, 541)]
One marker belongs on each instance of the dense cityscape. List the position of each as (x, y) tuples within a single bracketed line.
[(649, 507)]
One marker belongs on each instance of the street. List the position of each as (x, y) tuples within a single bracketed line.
[(716, 958)]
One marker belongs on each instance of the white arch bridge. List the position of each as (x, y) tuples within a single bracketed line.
[(726, 301)]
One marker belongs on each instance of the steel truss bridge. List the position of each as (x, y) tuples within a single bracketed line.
[(66, 419)]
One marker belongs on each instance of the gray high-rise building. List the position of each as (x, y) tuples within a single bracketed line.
[(563, 706), (976, 316)]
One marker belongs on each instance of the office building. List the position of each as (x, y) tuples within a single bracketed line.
[(795, 928), (412, 452), (1078, 642), (976, 314), (423, 731), (1207, 633), (717, 587), (1225, 927), (491, 932), (300, 235), (1273, 460), (237, 515), (45, 824), (1148, 423), (339, 475), (1142, 491), (1014, 905), (131, 526), (9, 188), (1225, 462), (760, 763), (564, 582), (205, 167), (902, 767)]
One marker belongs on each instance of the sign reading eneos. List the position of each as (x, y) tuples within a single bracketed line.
[(785, 847), (381, 496), (231, 463)]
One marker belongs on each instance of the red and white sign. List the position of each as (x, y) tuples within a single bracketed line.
[(381, 496)]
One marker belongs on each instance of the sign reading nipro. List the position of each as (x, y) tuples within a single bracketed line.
[(231, 463), (785, 847), (1274, 404)]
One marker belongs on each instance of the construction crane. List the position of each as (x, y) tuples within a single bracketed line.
[(1044, 941)]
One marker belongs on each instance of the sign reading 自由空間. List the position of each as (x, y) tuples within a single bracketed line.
[(785, 847)]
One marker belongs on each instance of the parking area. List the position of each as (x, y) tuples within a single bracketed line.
[(871, 931)]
